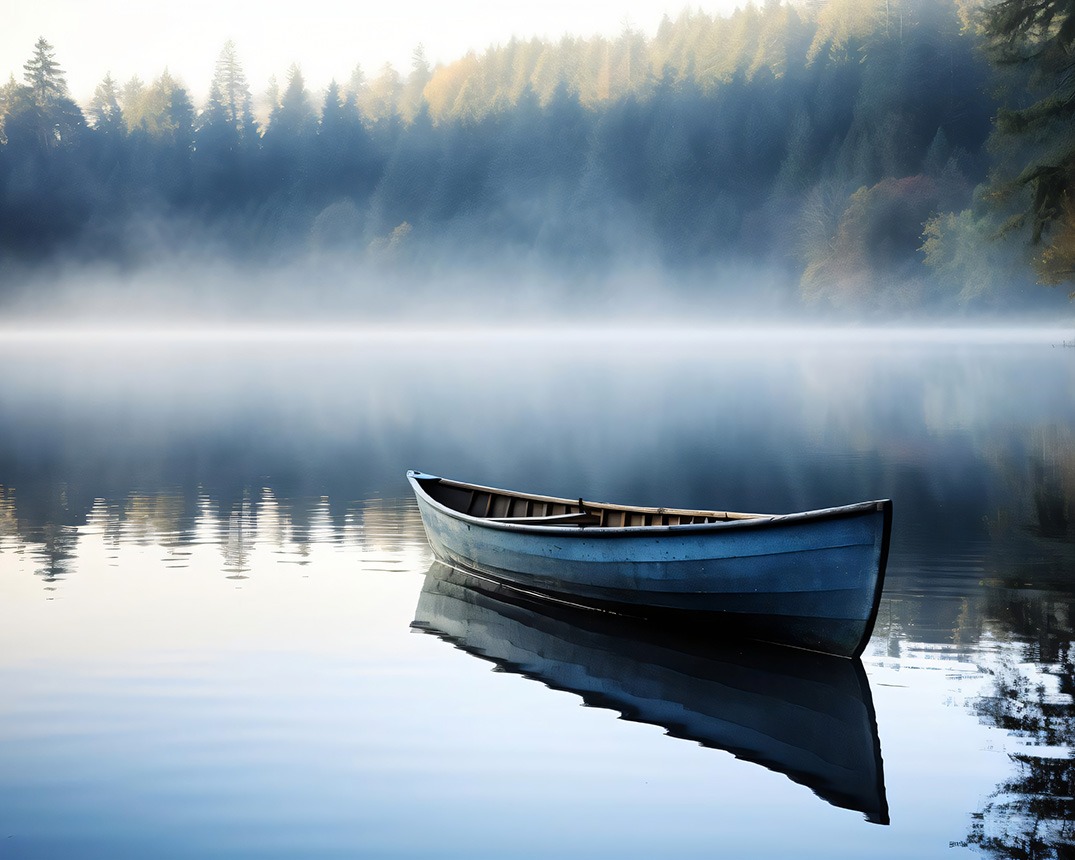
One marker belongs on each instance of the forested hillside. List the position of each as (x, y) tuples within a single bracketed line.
[(841, 142)]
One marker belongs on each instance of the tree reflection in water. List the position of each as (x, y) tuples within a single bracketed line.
[(1032, 814)]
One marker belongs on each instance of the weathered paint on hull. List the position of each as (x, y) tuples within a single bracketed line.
[(810, 584)]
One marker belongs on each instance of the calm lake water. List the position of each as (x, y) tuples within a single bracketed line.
[(222, 633)]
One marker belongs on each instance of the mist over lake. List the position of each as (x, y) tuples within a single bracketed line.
[(865, 158)]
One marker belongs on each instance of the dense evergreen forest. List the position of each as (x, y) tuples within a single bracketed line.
[(880, 154)]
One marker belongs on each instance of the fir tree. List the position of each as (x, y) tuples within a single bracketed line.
[(1036, 39), (44, 77)]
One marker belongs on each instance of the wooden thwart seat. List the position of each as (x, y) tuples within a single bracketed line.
[(576, 519)]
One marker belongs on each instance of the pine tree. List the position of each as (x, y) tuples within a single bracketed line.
[(341, 155), (9, 93), (293, 114), (44, 77), (231, 91), (1036, 39), (383, 94), (412, 98), (132, 99), (42, 109), (104, 109), (356, 85), (332, 109), (226, 139), (167, 111)]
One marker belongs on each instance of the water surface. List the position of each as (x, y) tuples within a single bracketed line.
[(222, 633)]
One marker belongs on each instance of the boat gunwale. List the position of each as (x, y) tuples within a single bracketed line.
[(734, 520)]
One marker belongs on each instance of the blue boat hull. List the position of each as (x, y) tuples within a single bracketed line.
[(811, 580)]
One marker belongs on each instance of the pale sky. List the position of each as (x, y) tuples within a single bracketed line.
[(325, 37)]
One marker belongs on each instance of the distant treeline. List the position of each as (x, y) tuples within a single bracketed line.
[(843, 141)]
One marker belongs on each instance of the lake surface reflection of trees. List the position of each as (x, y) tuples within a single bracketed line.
[(1032, 603), (235, 531), (975, 445)]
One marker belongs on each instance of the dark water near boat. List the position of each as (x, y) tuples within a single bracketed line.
[(222, 634)]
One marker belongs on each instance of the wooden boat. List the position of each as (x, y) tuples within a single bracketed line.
[(807, 716), (811, 580)]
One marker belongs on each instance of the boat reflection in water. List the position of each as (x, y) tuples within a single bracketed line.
[(809, 716)]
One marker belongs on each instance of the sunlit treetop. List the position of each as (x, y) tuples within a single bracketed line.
[(43, 76), (104, 109), (229, 92), (411, 96), (163, 109), (381, 97)]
